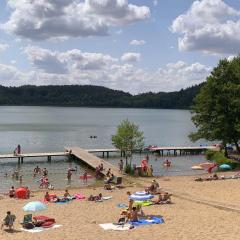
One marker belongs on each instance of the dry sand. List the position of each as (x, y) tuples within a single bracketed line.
[(185, 219)]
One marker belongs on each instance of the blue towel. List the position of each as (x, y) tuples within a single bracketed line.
[(153, 220), (62, 202)]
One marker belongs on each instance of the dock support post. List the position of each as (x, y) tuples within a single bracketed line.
[(103, 154), (21, 159), (121, 153), (49, 158), (175, 153), (107, 154)]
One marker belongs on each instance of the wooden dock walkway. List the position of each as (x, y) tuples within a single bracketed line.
[(92, 160), (20, 157), (183, 150)]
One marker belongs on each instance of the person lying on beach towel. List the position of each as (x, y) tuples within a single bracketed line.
[(163, 198), (95, 198)]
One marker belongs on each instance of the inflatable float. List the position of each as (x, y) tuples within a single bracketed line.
[(197, 167)]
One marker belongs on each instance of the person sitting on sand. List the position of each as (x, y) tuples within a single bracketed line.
[(110, 179), (67, 195), (134, 215), (163, 198), (9, 220), (12, 192), (153, 187)]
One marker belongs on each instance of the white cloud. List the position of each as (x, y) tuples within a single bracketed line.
[(137, 42), (65, 62), (77, 67), (209, 26), (155, 2), (3, 47), (50, 19), (131, 57)]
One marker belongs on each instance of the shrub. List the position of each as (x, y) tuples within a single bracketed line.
[(220, 159)]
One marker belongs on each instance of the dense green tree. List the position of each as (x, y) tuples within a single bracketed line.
[(217, 106), (128, 138)]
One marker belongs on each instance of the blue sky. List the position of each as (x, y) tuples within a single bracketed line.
[(134, 45)]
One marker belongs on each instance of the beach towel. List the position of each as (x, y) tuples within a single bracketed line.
[(143, 204), (153, 220), (39, 229), (79, 196), (115, 227), (106, 198), (65, 202)]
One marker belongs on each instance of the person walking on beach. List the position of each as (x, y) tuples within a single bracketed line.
[(120, 166)]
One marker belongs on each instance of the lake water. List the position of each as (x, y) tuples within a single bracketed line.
[(43, 129)]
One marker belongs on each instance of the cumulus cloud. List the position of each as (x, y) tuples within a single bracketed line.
[(77, 67), (51, 19), (66, 62), (131, 57), (3, 47), (209, 26), (137, 42)]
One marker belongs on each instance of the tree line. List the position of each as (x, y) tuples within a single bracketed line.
[(94, 96)]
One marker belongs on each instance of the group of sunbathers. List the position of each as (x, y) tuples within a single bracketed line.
[(216, 177), (53, 198)]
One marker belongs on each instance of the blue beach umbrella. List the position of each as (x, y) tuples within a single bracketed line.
[(34, 206), (225, 167), (141, 196)]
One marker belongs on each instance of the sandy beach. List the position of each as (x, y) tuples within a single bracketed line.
[(189, 217)]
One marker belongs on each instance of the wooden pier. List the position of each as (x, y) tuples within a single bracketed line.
[(20, 157), (92, 160), (103, 151), (183, 150)]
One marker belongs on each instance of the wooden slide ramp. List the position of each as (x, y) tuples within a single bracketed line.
[(92, 160)]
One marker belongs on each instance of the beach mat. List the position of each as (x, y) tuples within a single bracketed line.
[(153, 220), (40, 229), (115, 227)]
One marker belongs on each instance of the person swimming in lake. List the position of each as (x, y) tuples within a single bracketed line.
[(167, 163)]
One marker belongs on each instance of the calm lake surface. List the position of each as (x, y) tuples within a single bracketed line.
[(43, 129)]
